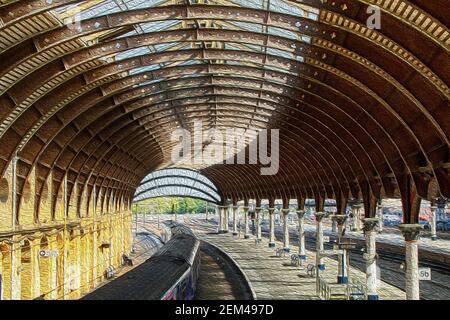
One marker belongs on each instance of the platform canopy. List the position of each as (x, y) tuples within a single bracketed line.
[(92, 91)]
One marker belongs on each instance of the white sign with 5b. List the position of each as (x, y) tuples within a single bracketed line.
[(425, 274)]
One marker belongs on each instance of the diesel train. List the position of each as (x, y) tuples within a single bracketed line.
[(170, 274)]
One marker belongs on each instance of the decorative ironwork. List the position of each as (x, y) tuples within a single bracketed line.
[(176, 182)]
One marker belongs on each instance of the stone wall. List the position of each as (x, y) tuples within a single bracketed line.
[(88, 235)]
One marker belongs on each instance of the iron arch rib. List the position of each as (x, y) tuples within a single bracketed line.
[(177, 182)]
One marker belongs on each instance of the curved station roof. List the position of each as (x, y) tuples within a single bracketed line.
[(177, 183), (92, 90)]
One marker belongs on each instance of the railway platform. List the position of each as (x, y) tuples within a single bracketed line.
[(389, 240), (146, 244), (272, 276)]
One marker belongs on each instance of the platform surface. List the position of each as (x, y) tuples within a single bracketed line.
[(273, 277)]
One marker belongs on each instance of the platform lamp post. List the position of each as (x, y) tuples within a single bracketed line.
[(320, 266), (342, 258)]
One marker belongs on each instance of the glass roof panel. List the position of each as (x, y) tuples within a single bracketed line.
[(182, 173), (174, 191), (132, 53), (177, 182), (281, 6), (96, 8), (108, 7)]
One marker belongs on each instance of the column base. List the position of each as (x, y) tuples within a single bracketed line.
[(321, 267), (373, 297), (302, 257), (235, 233), (272, 245), (434, 238), (342, 280), (246, 236), (223, 231), (287, 250)]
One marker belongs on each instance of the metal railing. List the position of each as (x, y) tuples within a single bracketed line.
[(354, 290)]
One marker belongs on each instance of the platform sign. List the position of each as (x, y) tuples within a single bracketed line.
[(424, 274), (347, 246), (48, 253), (329, 253)]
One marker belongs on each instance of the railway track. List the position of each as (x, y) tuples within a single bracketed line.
[(219, 277)]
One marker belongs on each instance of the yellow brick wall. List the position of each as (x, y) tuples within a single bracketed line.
[(81, 260), (73, 203), (44, 268), (84, 209), (26, 270), (59, 202), (5, 271), (5, 200), (27, 201), (45, 215)]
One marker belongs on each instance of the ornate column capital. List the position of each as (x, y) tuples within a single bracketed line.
[(285, 211), (339, 218), (319, 216), (411, 232), (370, 224), (271, 210), (301, 214)]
